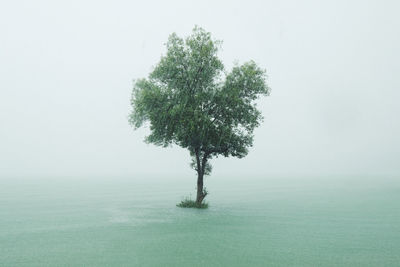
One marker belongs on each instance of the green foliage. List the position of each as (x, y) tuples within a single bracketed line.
[(189, 203), (189, 100)]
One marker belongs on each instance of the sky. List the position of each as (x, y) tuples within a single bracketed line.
[(67, 70)]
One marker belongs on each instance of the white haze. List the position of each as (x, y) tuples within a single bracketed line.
[(67, 67)]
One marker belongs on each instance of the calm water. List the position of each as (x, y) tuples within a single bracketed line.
[(250, 222)]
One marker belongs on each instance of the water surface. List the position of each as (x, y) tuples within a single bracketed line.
[(250, 222)]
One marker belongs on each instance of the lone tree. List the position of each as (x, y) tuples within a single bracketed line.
[(189, 100)]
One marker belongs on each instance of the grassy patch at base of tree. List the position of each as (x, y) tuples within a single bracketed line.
[(188, 203)]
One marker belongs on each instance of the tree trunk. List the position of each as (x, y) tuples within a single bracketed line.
[(200, 193)]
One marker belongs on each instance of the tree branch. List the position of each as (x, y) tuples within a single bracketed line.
[(199, 167), (204, 162)]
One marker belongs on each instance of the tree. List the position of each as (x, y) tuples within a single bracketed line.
[(189, 100)]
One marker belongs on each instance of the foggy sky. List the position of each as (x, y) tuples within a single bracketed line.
[(67, 67)]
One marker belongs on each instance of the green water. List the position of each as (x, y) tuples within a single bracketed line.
[(250, 222)]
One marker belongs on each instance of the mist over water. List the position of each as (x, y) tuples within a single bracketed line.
[(67, 71), (268, 221)]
